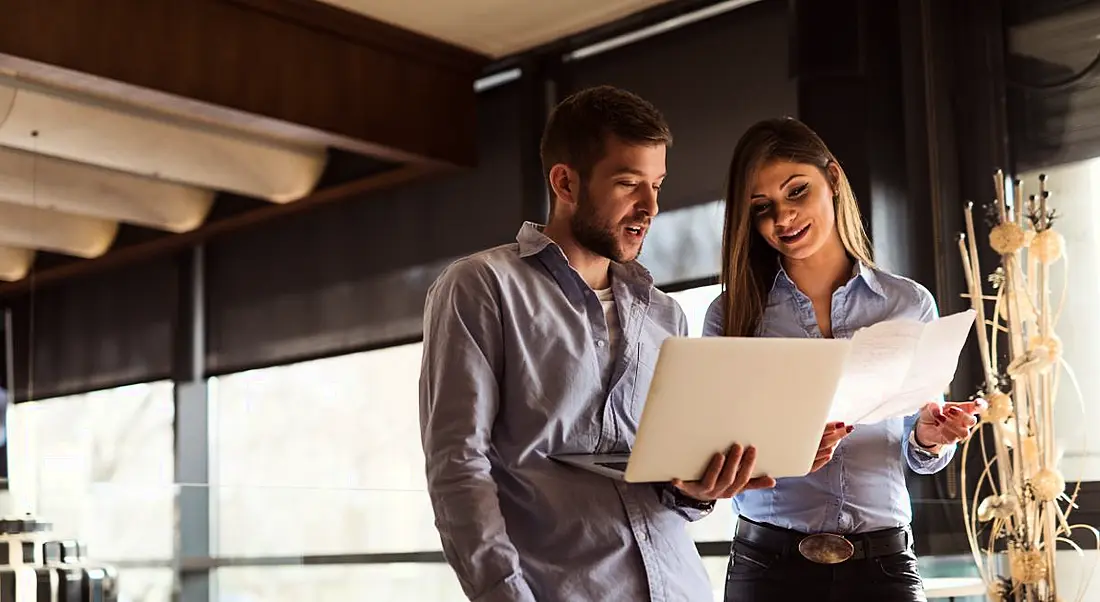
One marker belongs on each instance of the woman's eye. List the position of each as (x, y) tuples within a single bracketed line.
[(761, 208), (798, 191)]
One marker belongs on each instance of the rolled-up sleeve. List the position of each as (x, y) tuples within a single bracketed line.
[(459, 400), (921, 463)]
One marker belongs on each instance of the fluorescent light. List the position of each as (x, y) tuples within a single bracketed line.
[(658, 28), (497, 79)]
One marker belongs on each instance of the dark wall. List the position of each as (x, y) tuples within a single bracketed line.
[(1053, 83), (712, 80), (95, 333), (353, 275)]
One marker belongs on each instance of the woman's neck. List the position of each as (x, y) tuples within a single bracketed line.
[(822, 273)]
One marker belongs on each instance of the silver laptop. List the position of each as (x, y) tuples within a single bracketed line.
[(708, 393)]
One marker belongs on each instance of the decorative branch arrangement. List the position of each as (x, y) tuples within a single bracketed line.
[(1029, 510)]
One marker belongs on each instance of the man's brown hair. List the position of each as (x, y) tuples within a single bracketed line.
[(579, 127)]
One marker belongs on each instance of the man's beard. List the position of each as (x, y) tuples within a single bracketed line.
[(594, 235)]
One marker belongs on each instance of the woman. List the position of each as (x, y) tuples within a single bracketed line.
[(797, 263)]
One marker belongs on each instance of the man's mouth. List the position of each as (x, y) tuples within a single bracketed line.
[(795, 236), (635, 230)]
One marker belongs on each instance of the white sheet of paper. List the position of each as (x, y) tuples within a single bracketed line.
[(896, 367)]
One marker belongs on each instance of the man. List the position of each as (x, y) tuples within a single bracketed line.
[(547, 346)]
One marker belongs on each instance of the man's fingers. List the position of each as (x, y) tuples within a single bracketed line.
[(710, 478), (691, 489), (729, 470), (745, 469), (764, 482)]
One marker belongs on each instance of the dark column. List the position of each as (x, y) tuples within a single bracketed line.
[(192, 436), (953, 66), (539, 95), (909, 94), (847, 61)]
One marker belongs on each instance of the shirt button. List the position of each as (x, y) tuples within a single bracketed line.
[(600, 343), (642, 537)]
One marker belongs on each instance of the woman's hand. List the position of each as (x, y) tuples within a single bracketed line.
[(834, 432), (948, 425), (727, 475)]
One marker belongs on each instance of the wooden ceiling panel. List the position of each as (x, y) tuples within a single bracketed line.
[(161, 89), (496, 28)]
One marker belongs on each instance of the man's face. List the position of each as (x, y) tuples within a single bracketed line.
[(617, 203)]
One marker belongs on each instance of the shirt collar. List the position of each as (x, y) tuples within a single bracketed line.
[(861, 270), (533, 241), (870, 278)]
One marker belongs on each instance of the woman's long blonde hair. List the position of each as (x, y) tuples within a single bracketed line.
[(749, 263)]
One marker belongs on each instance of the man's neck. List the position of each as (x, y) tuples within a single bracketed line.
[(819, 275), (594, 269)]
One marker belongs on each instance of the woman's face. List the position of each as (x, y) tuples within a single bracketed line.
[(791, 205)]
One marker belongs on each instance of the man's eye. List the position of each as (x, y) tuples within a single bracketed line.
[(628, 184)]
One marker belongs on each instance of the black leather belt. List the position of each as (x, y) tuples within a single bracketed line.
[(824, 548)]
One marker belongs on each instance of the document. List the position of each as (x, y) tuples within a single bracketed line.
[(896, 367)]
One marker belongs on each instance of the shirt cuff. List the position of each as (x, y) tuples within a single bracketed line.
[(922, 451), (688, 507)]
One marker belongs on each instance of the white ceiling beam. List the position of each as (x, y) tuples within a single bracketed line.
[(47, 230), (133, 140), (15, 263), (81, 189)]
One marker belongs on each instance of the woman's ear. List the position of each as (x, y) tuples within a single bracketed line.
[(833, 170)]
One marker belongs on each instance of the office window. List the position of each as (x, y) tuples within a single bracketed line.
[(322, 457), (419, 582), (99, 467), (1074, 190)]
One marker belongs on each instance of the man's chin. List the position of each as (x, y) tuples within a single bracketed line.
[(626, 255)]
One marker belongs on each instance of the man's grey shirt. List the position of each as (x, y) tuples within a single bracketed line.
[(514, 347)]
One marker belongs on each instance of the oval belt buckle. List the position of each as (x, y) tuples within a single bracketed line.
[(826, 548)]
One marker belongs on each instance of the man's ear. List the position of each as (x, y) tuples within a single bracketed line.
[(564, 183)]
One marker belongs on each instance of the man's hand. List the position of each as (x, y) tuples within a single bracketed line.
[(948, 425), (727, 475), (834, 432)]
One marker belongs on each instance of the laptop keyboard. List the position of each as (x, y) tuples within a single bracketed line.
[(613, 465)]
